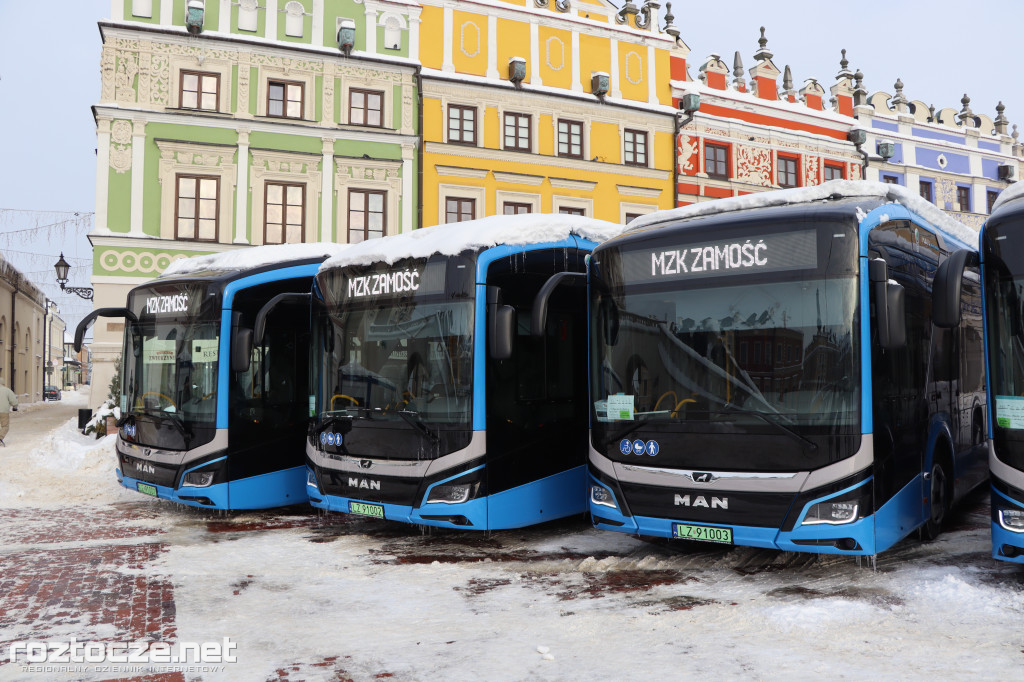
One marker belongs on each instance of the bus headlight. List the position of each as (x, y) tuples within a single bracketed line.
[(198, 479), (311, 479), (602, 496), (833, 513), (453, 493), (1012, 520)]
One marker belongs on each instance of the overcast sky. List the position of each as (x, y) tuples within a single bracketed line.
[(49, 73)]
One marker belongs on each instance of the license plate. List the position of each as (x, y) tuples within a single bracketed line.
[(374, 510), (686, 531), (146, 489)]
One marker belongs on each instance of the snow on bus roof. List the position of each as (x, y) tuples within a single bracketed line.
[(454, 238), (851, 189), (1014, 191), (237, 260)]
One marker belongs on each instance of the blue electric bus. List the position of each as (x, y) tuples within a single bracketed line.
[(1002, 266), (210, 418), (765, 372), (436, 405)]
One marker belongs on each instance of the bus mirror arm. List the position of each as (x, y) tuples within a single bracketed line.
[(947, 287), (100, 312), (539, 321), (261, 317), (241, 349)]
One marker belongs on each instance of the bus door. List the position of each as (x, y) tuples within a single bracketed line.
[(971, 464), (536, 399)]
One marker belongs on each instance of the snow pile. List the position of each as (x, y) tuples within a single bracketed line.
[(847, 189), (1011, 193), (254, 257), (454, 238)]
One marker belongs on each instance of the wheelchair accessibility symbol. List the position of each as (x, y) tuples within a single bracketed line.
[(625, 447)]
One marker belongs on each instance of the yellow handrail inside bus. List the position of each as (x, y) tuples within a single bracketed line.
[(342, 395)]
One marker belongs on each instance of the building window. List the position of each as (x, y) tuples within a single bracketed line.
[(199, 90), (992, 196), (963, 199), (284, 99), (890, 180), (833, 172), (716, 161), (635, 148), (197, 209), (366, 108), (632, 216), (516, 208), (367, 217), (461, 124), (787, 172), (284, 213), (571, 210), (926, 191), (458, 209), (517, 132), (570, 139)]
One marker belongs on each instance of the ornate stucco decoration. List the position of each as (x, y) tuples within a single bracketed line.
[(121, 146), (754, 165), (555, 53), (469, 39)]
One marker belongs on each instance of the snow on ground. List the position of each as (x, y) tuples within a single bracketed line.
[(59, 467), (563, 601)]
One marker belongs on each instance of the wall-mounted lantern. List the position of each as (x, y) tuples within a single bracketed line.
[(517, 71), (346, 36), (886, 150), (194, 11), (600, 83)]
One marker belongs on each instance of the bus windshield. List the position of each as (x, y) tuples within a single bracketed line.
[(706, 331), (170, 367)]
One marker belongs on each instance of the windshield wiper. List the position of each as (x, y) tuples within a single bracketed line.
[(767, 419), (413, 419)]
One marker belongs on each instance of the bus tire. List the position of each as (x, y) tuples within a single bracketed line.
[(940, 498)]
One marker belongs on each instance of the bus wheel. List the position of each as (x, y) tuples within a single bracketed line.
[(939, 502)]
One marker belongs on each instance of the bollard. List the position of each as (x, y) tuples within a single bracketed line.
[(84, 415)]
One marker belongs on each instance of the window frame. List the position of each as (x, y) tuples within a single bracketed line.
[(461, 201), (991, 196), (572, 125), (271, 82), (518, 119), (779, 171), (365, 109), (284, 211), (725, 151), (178, 177), (366, 213), (921, 185), (516, 205), (629, 158), (963, 192), (834, 167), (201, 75), (462, 109), (572, 210)]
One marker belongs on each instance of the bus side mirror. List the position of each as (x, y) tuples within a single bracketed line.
[(241, 349), (501, 326), (947, 287), (890, 306)]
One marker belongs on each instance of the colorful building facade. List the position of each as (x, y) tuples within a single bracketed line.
[(225, 124)]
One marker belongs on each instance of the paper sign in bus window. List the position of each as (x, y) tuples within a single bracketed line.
[(1010, 412), (204, 350), (158, 352), (620, 406)]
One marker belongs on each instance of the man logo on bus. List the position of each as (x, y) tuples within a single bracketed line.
[(702, 477), (701, 501)]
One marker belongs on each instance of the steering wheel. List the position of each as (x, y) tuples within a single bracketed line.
[(142, 398), (346, 397)]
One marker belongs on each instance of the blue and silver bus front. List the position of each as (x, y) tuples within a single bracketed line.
[(168, 442), (394, 437), (725, 385)]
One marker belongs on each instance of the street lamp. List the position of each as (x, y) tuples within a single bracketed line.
[(62, 267)]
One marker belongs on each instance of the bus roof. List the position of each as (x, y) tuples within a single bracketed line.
[(245, 259), (1011, 193), (874, 194), (474, 235)]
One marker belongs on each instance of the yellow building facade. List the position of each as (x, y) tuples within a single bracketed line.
[(543, 106)]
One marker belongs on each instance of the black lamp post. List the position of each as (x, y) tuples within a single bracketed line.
[(62, 267)]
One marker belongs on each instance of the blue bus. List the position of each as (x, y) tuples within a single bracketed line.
[(436, 405), (210, 418), (765, 372), (1002, 267)]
